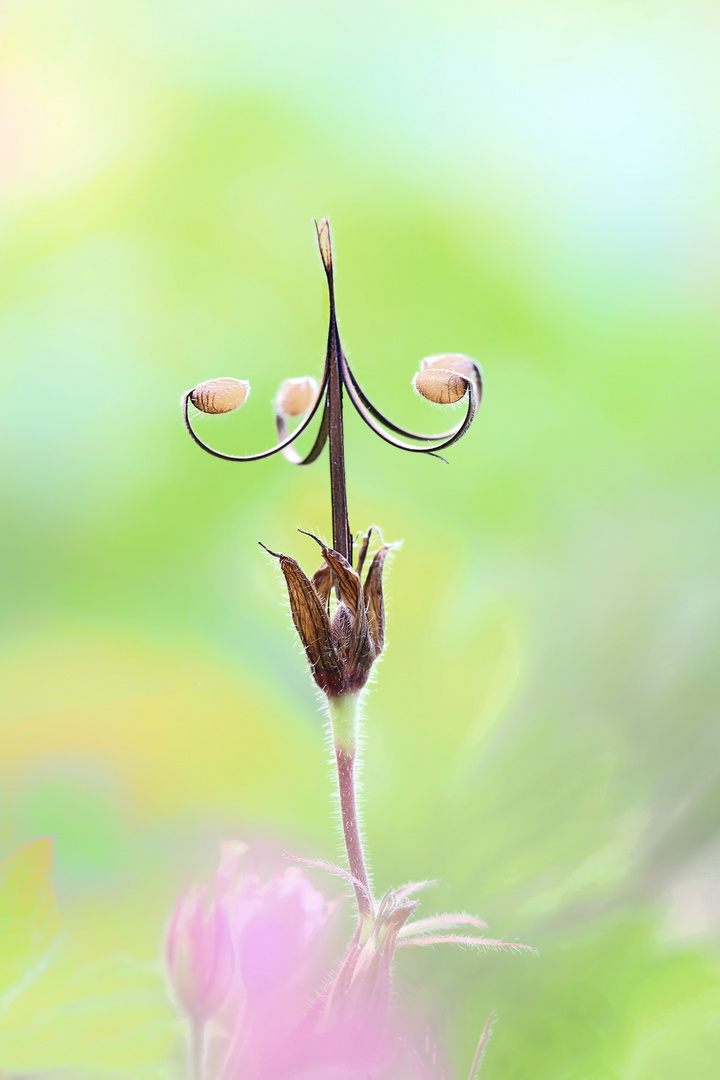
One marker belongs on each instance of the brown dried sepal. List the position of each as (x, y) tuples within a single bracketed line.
[(322, 580), (312, 624), (340, 651), (220, 395), (350, 624), (374, 601)]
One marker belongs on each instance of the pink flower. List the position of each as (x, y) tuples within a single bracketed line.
[(279, 931), (199, 954), (251, 956)]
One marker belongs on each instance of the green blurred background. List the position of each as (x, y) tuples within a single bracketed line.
[(534, 183)]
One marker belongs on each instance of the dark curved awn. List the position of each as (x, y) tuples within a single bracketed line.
[(280, 446)]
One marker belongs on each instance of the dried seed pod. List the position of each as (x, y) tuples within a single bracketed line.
[(324, 243), (220, 395), (295, 396), (442, 387), (450, 362)]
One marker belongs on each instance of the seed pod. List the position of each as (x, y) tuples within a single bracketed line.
[(324, 243), (442, 387), (295, 396), (220, 395), (450, 362)]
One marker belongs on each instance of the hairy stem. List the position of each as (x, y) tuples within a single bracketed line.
[(344, 720), (351, 827)]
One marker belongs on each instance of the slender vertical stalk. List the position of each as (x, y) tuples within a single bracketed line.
[(343, 709), (351, 828), (197, 1049), (342, 537), (344, 720)]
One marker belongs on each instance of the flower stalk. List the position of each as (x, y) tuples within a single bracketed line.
[(341, 651), (237, 950), (342, 537), (197, 1049), (344, 722), (344, 708)]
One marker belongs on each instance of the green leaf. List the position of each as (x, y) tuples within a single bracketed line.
[(29, 917), (91, 1014)]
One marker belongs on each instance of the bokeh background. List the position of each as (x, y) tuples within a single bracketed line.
[(534, 183)]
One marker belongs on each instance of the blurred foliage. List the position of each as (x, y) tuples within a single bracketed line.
[(533, 183), (29, 919)]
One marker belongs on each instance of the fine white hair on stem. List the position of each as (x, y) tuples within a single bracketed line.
[(437, 922), (332, 869), (357, 776), (415, 886), (461, 939), (481, 1047)]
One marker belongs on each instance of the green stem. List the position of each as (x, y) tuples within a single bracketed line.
[(344, 721)]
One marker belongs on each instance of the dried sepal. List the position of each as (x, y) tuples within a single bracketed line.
[(322, 581), (348, 589), (346, 580), (312, 624), (441, 386), (374, 602), (220, 395), (340, 650), (362, 554), (295, 396)]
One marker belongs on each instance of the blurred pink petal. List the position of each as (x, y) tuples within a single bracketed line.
[(253, 955), (275, 941), (199, 954)]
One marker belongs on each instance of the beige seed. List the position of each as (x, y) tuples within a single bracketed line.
[(450, 362), (442, 387), (220, 395), (295, 396)]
